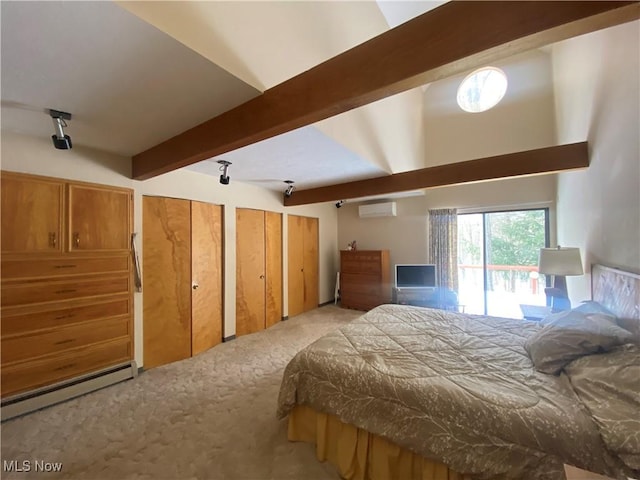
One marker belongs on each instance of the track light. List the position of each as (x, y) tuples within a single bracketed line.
[(60, 140), (339, 204), (224, 168), (290, 188)]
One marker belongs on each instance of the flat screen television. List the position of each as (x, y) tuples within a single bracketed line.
[(416, 276)]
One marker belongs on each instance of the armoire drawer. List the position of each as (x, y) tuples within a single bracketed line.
[(62, 266), (28, 375), (24, 319), (357, 289), (362, 298), (25, 347), (359, 266), (361, 301), (51, 291)]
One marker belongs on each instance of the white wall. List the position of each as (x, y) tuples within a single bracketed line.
[(597, 85), (406, 236), (27, 154), (524, 120)]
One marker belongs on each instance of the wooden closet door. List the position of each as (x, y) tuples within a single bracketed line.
[(206, 276), (166, 269), (250, 271), (31, 214), (310, 241), (273, 266), (295, 256)]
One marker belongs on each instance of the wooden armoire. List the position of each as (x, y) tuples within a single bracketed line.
[(303, 264), (67, 293), (258, 270), (182, 278), (364, 279)]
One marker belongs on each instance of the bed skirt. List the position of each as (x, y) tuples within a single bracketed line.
[(358, 454)]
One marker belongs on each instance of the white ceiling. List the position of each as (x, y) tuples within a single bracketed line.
[(136, 73), (127, 85), (327, 162)]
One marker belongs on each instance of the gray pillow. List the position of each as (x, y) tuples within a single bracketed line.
[(588, 306), (552, 317), (591, 306), (609, 386), (571, 336)]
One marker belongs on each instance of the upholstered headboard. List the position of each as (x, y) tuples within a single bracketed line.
[(619, 291)]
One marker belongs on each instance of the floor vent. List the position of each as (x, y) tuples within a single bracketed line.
[(59, 392)]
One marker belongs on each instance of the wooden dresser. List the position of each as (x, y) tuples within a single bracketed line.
[(66, 280), (364, 279)]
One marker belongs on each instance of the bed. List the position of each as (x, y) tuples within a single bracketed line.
[(410, 392)]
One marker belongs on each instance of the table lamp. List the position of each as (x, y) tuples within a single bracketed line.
[(559, 262)]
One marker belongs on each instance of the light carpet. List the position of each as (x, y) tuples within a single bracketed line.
[(208, 417)]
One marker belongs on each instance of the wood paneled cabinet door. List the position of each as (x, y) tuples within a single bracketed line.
[(182, 277), (31, 214), (99, 218), (303, 264), (63, 313), (258, 270)]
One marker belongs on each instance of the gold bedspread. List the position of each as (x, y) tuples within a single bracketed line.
[(456, 388), (358, 454)]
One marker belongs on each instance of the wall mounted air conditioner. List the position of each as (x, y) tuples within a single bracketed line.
[(387, 209)]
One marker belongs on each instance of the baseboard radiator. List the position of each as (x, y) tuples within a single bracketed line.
[(43, 397)]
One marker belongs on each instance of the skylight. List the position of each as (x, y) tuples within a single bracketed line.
[(482, 89)]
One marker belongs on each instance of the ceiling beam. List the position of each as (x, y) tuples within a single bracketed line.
[(530, 162), (453, 38)]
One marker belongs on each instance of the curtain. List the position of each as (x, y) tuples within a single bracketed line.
[(443, 248)]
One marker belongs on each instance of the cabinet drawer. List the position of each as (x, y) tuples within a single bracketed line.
[(358, 266), (25, 376), (366, 284), (362, 301), (53, 267), (38, 344), (20, 320), (50, 291), (361, 255)]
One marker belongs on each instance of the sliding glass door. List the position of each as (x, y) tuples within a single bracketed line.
[(498, 261)]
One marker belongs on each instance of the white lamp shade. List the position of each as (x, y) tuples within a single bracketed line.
[(560, 261)]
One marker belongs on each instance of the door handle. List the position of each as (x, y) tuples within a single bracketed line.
[(76, 239), (195, 286), (261, 277)]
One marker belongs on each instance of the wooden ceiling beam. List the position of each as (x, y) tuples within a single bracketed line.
[(453, 38), (530, 162)]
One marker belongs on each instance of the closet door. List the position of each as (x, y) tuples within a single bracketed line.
[(250, 271), (295, 257), (310, 263), (167, 280), (206, 276), (273, 267)]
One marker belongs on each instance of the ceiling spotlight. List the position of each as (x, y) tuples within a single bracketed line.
[(224, 168), (60, 140), (290, 188), (339, 204)]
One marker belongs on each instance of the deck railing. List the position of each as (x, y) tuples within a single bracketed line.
[(507, 278)]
